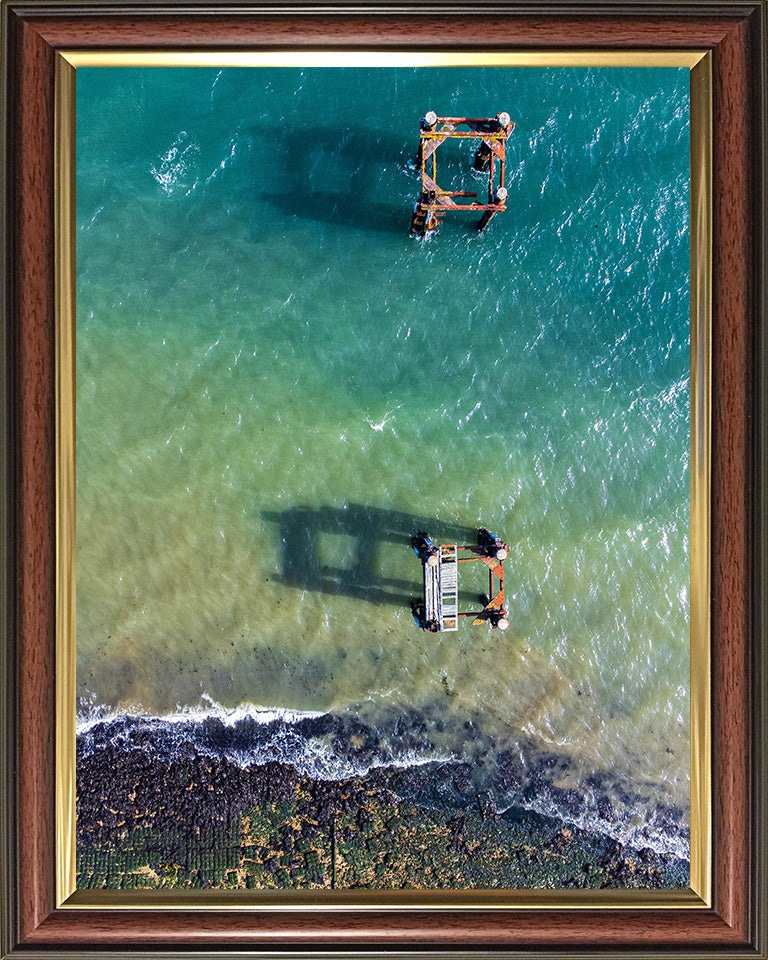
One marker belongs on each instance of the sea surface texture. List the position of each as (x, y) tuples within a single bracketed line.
[(277, 387)]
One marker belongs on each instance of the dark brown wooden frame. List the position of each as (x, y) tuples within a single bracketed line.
[(735, 33)]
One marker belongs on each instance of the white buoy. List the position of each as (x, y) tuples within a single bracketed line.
[(503, 623), (432, 560), (504, 119), (501, 194), (430, 118), (501, 554)]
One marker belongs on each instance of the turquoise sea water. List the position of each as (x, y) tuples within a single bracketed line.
[(277, 387)]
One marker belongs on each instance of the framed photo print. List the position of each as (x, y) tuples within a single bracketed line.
[(383, 521)]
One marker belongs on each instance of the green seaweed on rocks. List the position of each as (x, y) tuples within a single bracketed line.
[(355, 834)]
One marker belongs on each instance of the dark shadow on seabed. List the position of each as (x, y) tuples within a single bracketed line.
[(298, 530), (331, 183)]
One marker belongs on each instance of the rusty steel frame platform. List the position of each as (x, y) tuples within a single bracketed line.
[(433, 615), (434, 203)]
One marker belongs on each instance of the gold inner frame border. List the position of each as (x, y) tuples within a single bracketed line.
[(699, 894)]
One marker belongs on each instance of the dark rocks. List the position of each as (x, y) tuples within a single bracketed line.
[(154, 810), (487, 805)]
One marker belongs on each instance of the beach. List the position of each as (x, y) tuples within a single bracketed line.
[(270, 827)]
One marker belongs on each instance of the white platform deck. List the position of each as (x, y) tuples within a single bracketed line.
[(441, 589)]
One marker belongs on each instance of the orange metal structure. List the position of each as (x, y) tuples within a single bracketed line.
[(434, 202), (438, 610), (495, 604)]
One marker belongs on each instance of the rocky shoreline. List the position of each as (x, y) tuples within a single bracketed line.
[(190, 820)]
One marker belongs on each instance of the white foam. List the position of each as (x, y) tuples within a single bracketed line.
[(175, 162), (636, 835), (208, 709)]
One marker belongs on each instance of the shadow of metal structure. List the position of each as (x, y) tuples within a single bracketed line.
[(299, 532), (332, 184)]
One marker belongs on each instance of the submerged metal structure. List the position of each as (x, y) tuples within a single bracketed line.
[(434, 202), (439, 608)]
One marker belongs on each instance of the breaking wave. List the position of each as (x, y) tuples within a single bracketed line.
[(327, 746)]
